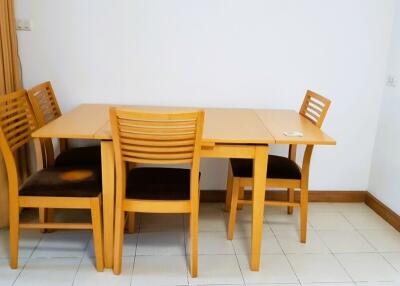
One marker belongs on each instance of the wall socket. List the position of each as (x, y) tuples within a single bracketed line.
[(391, 81), (23, 25)]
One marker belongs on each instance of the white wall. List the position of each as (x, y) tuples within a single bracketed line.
[(385, 170), (236, 53)]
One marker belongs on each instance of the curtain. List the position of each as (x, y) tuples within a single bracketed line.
[(10, 80)]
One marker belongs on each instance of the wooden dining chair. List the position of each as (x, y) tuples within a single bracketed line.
[(161, 139), (46, 109), (282, 172), (64, 187)]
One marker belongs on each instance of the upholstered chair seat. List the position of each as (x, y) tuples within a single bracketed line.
[(63, 182), (79, 156), (278, 168), (158, 184)]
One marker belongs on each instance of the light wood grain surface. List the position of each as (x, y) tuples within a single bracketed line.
[(279, 121), (90, 121), (80, 123), (220, 126), (235, 126), (267, 126)]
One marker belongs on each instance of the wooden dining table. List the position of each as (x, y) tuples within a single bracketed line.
[(228, 133)]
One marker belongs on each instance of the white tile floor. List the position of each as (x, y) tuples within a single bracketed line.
[(348, 245)]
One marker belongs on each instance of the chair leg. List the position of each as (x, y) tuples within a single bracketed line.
[(46, 215), (97, 233), (194, 221), (118, 240), (42, 218), (131, 222), (233, 211), (50, 215), (228, 197), (291, 200), (14, 237), (241, 197), (303, 214)]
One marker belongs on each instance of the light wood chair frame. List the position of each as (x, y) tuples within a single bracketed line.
[(314, 108), (156, 138), (17, 122), (45, 107)]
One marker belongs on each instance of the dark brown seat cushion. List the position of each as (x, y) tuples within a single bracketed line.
[(278, 168), (64, 182), (81, 156), (158, 184)]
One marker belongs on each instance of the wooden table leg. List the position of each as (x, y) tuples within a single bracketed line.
[(259, 173), (108, 178)]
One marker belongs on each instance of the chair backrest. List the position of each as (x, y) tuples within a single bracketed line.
[(46, 109), (156, 138), (17, 122), (315, 107), (44, 103)]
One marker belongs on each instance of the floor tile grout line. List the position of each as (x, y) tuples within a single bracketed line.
[(237, 260), (185, 244), (285, 254), (323, 242), (28, 259), (336, 258), (186, 241), (137, 243), (374, 250), (80, 262), (365, 238), (223, 215), (388, 262), (334, 254), (357, 230), (361, 234)]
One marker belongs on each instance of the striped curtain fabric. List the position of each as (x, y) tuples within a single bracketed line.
[(10, 80)]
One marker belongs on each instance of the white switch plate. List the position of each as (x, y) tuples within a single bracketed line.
[(391, 81), (24, 25)]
